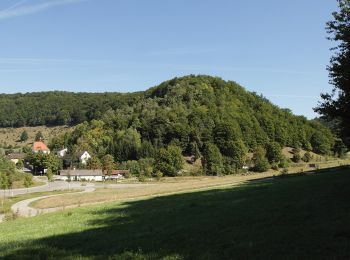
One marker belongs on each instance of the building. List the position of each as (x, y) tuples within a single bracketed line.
[(115, 174), (40, 146), (62, 153), (84, 157), (80, 175), (91, 175), (16, 157)]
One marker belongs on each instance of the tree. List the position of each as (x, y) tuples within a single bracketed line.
[(49, 175), (3, 182), (336, 105), (28, 180), (307, 157), (169, 161), (273, 152), (320, 143), (296, 155), (212, 160), (261, 163), (94, 163), (234, 154), (24, 136), (339, 148), (108, 164), (39, 136), (20, 165)]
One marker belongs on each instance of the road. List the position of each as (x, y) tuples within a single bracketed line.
[(52, 186), (23, 209)]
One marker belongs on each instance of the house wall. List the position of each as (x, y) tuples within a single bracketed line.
[(79, 178)]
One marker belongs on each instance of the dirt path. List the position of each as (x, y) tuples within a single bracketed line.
[(22, 208)]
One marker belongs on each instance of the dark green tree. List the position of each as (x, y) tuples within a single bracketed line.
[(212, 160), (273, 152), (39, 136), (336, 105), (24, 136)]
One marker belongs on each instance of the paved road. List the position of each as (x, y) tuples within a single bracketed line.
[(57, 185), (22, 208)]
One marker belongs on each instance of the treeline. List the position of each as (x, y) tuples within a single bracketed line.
[(57, 108), (200, 116)]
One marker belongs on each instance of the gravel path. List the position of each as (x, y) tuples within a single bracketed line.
[(22, 208)]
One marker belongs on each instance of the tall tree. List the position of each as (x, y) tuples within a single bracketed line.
[(336, 105)]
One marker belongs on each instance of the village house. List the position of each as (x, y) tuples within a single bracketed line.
[(91, 175), (79, 175), (40, 146), (62, 153), (84, 157), (16, 157)]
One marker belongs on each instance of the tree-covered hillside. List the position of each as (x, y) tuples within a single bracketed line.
[(201, 115), (57, 108)]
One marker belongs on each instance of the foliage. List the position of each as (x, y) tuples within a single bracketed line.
[(307, 157), (212, 160), (274, 152), (169, 160), (28, 180), (335, 105), (186, 112), (261, 163), (340, 148), (108, 163), (24, 136), (39, 136), (41, 161), (296, 155), (49, 175), (94, 163)]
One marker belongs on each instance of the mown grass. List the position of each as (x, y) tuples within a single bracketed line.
[(301, 217)]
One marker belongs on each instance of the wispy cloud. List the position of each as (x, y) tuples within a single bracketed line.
[(19, 9)]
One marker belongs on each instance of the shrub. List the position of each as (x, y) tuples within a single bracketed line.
[(307, 157)]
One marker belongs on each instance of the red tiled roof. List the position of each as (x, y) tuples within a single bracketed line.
[(40, 146), (116, 172)]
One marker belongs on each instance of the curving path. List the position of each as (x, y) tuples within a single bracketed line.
[(22, 208)]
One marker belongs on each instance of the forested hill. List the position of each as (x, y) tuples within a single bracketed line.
[(187, 112), (57, 107)]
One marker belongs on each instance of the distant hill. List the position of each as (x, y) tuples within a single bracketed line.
[(57, 107), (187, 112)]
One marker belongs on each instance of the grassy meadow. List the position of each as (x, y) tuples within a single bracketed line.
[(296, 217)]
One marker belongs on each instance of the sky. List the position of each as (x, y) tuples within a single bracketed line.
[(277, 48)]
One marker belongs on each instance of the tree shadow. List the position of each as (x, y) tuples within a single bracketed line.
[(283, 218)]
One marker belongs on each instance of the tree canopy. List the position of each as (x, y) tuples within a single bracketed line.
[(336, 105)]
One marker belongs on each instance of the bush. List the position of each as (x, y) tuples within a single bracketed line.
[(307, 157), (284, 162), (296, 155), (158, 175), (262, 165)]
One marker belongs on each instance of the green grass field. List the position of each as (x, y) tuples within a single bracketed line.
[(296, 217)]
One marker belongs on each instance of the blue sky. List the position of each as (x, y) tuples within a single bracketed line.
[(274, 47)]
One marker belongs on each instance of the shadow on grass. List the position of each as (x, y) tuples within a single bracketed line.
[(289, 218)]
